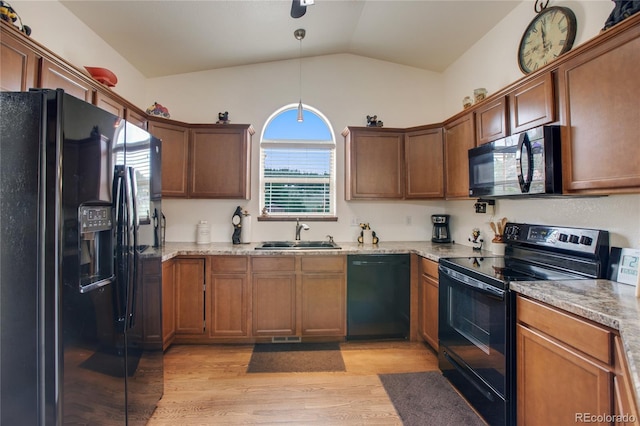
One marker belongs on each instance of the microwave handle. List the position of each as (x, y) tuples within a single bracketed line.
[(525, 183)]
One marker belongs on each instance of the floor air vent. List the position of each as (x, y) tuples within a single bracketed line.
[(286, 339)]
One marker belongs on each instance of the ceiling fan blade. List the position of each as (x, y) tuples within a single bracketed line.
[(297, 10)]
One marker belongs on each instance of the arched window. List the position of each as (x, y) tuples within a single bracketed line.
[(297, 165)]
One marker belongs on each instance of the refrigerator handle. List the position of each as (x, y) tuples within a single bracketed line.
[(132, 236), (120, 220)]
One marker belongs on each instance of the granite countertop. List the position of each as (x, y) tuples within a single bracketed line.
[(606, 302), (433, 251)]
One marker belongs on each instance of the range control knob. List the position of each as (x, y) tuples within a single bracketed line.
[(574, 239), (587, 241), (563, 237)]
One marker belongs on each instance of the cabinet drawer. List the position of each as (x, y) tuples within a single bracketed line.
[(277, 264), (429, 267), (582, 335), (227, 264), (322, 263)]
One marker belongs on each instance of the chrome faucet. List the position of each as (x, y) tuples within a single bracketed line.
[(300, 226)]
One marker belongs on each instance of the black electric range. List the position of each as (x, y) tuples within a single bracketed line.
[(477, 312)]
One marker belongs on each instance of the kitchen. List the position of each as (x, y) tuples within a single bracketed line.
[(197, 98)]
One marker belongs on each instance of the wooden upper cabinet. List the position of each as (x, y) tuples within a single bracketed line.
[(424, 156), (532, 103), (20, 63), (491, 121), (175, 156), (599, 113), (55, 76), (220, 161), (459, 138), (136, 118), (374, 163), (109, 104)]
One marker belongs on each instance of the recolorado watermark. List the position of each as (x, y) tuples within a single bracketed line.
[(604, 418)]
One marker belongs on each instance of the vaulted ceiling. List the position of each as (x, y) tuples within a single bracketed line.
[(172, 37)]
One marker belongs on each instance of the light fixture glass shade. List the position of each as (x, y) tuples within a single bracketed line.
[(300, 117)]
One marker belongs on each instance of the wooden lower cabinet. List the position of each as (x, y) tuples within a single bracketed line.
[(146, 332), (566, 373), (299, 296), (428, 305), (274, 295), (168, 303), (324, 296), (228, 297), (190, 293)]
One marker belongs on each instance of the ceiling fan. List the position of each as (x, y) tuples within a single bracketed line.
[(299, 7)]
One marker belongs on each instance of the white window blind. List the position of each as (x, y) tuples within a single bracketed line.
[(298, 179)]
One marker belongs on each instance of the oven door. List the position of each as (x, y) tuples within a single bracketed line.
[(472, 331)]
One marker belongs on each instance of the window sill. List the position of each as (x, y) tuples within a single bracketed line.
[(295, 218)]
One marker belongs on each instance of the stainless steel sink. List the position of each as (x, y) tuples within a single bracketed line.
[(297, 245)]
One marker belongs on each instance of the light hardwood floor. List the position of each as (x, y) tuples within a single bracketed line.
[(208, 385)]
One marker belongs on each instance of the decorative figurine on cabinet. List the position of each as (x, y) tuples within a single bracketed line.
[(372, 121), (223, 118), (236, 220), (158, 110), (476, 240)]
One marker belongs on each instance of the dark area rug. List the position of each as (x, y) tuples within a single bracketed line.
[(428, 398), (295, 358), (112, 364)]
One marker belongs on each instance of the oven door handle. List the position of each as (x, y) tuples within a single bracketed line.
[(474, 284)]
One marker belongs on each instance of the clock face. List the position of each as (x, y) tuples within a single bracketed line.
[(548, 36), (235, 220)]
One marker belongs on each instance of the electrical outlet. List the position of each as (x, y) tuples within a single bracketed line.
[(355, 221), (408, 220), (480, 207)]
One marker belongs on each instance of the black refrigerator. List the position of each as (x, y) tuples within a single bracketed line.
[(79, 201)]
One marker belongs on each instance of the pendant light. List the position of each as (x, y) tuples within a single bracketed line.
[(299, 35)]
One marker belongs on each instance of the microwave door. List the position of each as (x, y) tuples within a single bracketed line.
[(524, 163)]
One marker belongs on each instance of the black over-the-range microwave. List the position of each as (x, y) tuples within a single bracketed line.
[(526, 163)]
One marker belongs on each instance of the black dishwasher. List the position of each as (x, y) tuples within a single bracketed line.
[(378, 289)]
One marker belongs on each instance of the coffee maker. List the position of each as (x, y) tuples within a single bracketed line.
[(441, 233)]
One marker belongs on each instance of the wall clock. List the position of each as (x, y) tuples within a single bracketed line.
[(550, 34)]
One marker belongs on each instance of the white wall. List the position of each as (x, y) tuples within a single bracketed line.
[(345, 88)]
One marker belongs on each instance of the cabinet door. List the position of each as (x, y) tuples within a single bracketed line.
[(424, 158), (459, 138), (175, 157), (136, 118), (20, 64), (151, 297), (491, 121), (168, 303), (429, 302), (555, 383), (532, 104), (228, 305), (624, 400), (598, 97), (375, 164), (190, 288), (57, 77), (274, 304), (323, 304), (220, 159), (109, 104)]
